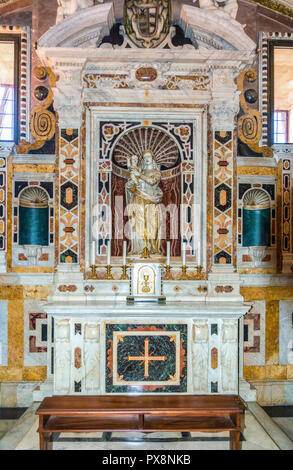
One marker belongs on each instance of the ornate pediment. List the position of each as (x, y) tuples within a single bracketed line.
[(147, 25)]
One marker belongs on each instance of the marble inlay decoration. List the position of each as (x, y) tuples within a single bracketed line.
[(173, 138), (69, 208), (286, 332), (3, 332), (266, 185), (33, 254), (223, 197), (254, 335), (35, 334), (287, 206), (146, 358)]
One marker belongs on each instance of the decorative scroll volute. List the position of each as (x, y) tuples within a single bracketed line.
[(250, 124)]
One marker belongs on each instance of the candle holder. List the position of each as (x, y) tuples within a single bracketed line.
[(184, 276), (108, 275), (168, 275), (124, 275), (93, 273)]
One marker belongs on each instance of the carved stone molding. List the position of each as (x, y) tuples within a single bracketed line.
[(223, 114), (67, 93)]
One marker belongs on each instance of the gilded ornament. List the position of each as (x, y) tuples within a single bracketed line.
[(250, 124), (40, 72), (43, 123)]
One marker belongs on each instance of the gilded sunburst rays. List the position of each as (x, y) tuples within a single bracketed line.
[(137, 140)]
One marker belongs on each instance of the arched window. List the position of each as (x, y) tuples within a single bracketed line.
[(33, 217), (256, 218)]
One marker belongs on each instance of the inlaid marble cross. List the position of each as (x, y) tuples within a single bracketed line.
[(146, 358)]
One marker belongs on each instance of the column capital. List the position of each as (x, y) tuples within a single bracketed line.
[(223, 114), (68, 93)]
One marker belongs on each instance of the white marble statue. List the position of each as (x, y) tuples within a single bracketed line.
[(229, 6), (68, 7), (143, 197)]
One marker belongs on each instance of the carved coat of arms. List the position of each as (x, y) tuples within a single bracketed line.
[(147, 22)]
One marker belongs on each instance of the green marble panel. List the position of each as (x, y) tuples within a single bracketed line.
[(256, 227), (132, 347), (33, 226)]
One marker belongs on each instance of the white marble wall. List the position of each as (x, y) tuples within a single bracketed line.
[(286, 332)]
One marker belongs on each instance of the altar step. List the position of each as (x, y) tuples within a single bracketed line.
[(247, 391), (45, 389)]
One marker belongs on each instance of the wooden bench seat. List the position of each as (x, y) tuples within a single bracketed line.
[(174, 413)]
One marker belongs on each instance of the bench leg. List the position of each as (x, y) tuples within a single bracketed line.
[(235, 440), (45, 442)]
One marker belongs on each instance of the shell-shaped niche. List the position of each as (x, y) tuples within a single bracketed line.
[(256, 199), (139, 139), (33, 197)]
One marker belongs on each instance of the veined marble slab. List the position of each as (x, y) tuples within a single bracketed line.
[(121, 309)]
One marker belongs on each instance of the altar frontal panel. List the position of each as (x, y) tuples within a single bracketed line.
[(146, 358)]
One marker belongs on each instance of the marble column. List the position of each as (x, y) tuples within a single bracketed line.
[(68, 104), (223, 110)]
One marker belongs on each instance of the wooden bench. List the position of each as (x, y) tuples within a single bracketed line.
[(145, 413)]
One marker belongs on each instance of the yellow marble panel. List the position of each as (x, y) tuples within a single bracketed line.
[(276, 372), (253, 293), (20, 270), (257, 271), (11, 292), (15, 333), (267, 293), (32, 168), (280, 293), (254, 373), (290, 372), (10, 374), (272, 332), (31, 374), (36, 292), (256, 170)]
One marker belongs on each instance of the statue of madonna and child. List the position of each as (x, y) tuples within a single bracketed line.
[(143, 198)]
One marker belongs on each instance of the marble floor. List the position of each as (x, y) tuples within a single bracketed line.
[(9, 418), (283, 417), (261, 433)]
